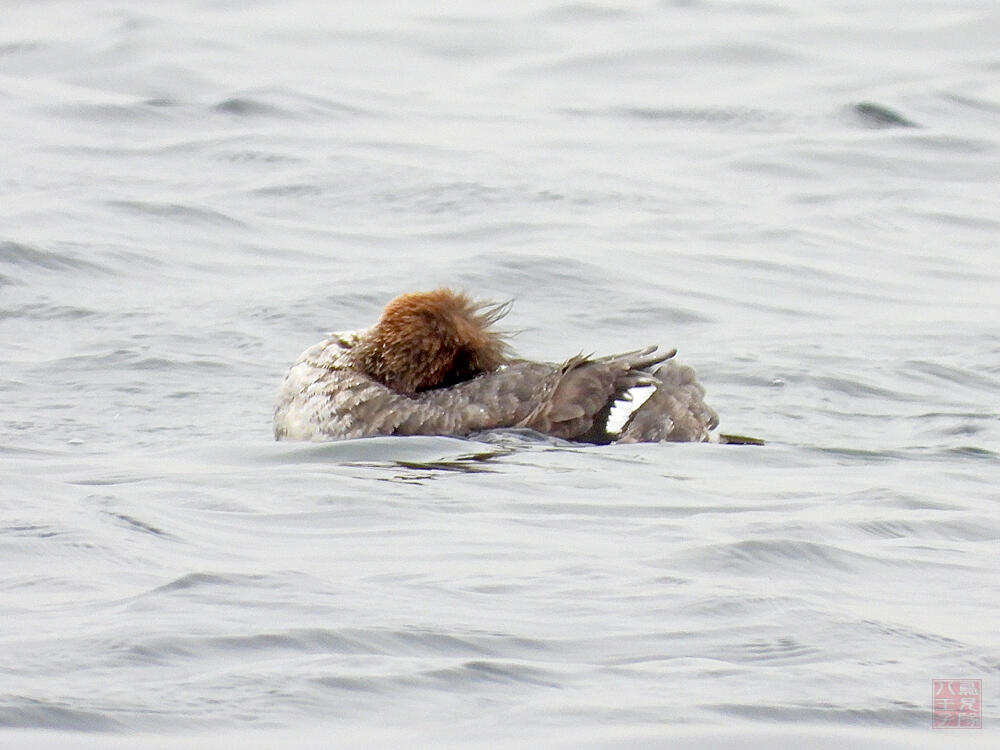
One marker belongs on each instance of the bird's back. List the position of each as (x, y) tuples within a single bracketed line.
[(324, 397)]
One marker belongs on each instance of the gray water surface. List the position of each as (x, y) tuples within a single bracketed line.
[(801, 197)]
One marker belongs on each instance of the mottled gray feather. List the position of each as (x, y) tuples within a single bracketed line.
[(325, 397)]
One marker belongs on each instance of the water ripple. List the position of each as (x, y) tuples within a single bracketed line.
[(187, 214), (17, 255), (879, 116)]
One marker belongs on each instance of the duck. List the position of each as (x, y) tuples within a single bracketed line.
[(435, 364)]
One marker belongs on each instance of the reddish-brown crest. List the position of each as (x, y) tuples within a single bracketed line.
[(431, 340)]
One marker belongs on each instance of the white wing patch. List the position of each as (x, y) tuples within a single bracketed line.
[(622, 410)]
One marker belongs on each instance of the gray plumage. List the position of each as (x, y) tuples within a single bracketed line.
[(675, 412), (325, 396)]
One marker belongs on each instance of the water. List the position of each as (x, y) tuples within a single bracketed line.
[(801, 197)]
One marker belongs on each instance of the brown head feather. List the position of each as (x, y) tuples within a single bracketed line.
[(431, 340)]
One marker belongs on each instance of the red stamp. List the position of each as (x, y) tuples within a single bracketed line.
[(957, 703)]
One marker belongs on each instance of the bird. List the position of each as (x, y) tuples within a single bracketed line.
[(434, 364)]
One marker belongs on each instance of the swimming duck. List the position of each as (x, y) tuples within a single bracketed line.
[(434, 365)]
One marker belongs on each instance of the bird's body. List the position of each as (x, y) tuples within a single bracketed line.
[(433, 366)]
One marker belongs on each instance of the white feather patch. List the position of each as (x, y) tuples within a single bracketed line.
[(622, 410)]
